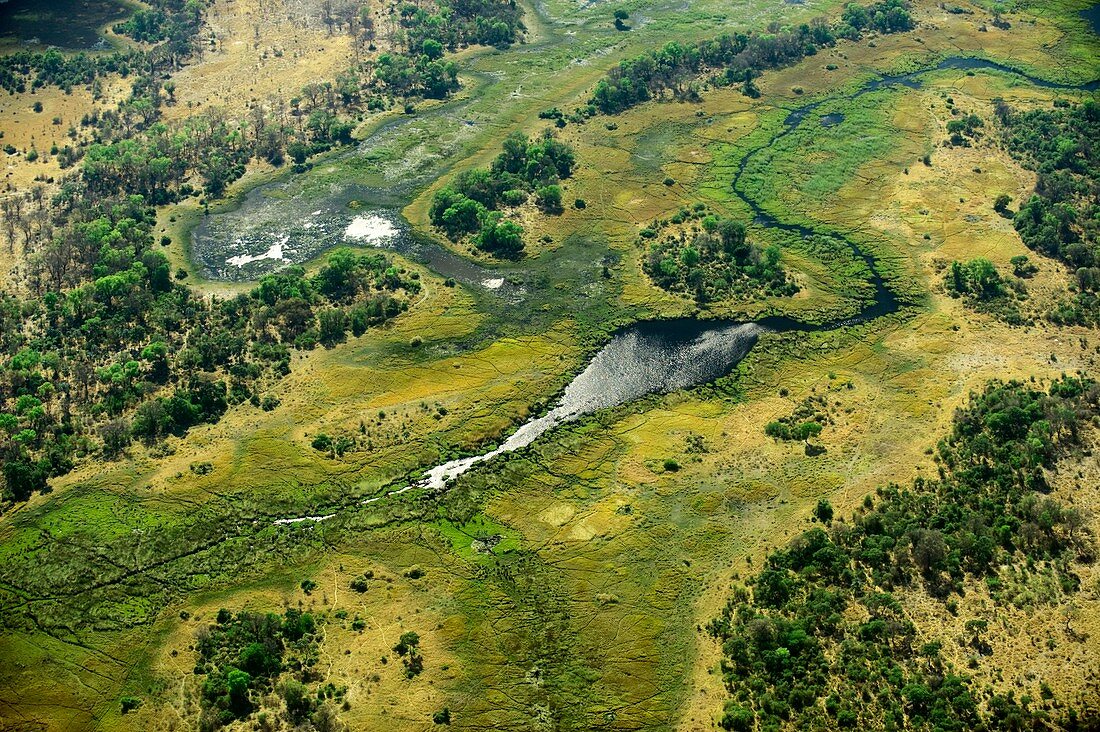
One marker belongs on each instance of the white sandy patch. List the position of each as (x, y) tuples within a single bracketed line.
[(371, 228), (315, 519), (275, 252), (494, 284)]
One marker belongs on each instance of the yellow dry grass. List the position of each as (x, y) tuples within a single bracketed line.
[(263, 50)]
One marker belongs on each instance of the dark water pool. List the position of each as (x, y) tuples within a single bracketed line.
[(654, 357), (1092, 17), (69, 24)]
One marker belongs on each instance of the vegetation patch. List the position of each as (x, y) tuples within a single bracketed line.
[(471, 205), (807, 420), (739, 58), (710, 258), (986, 290), (144, 358), (1062, 218), (819, 636), (258, 666)]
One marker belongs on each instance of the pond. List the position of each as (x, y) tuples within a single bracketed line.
[(1092, 17), (68, 24), (654, 357)]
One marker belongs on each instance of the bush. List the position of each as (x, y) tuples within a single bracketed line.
[(823, 512)]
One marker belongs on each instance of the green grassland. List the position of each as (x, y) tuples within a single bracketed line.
[(583, 611)]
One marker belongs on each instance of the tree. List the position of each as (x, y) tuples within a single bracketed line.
[(237, 683), (732, 234), (463, 217), (23, 477), (823, 512), (737, 718), (504, 238), (1022, 266), (407, 643), (432, 48), (548, 199), (298, 703), (116, 437)]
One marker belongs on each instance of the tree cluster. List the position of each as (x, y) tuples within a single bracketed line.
[(421, 33), (714, 260), (174, 21), (246, 656), (133, 152), (736, 59), (27, 70), (110, 349), (1062, 218), (806, 421), (818, 639), (471, 204), (986, 290), (172, 27)]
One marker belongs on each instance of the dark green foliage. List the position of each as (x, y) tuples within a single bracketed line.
[(785, 431), (715, 263), (458, 23), (112, 348), (166, 20), (500, 237), (986, 290), (134, 153), (525, 166), (1062, 218), (243, 656), (806, 421), (408, 647), (1022, 266), (420, 70), (978, 278), (735, 59), (24, 69), (362, 582), (418, 76), (963, 129), (819, 640)]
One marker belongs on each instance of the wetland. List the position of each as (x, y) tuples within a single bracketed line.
[(330, 461)]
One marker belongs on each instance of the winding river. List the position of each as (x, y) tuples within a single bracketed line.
[(664, 356), (660, 357)]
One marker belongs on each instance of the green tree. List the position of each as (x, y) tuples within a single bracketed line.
[(504, 238), (237, 683)]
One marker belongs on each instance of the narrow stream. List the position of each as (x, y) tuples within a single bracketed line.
[(663, 356)]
